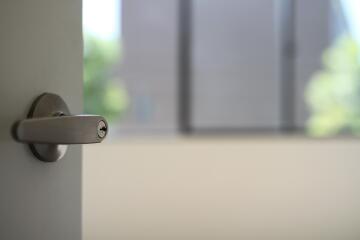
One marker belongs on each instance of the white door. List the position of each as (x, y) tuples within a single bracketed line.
[(40, 51)]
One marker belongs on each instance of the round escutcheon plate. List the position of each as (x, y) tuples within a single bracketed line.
[(48, 105)]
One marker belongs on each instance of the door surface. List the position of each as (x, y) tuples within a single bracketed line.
[(40, 51)]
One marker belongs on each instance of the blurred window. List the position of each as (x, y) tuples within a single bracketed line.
[(193, 66)]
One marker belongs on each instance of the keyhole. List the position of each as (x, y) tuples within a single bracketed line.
[(102, 129)]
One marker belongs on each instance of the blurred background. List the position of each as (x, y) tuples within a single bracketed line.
[(216, 111)]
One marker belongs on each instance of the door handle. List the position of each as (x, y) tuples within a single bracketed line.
[(50, 126), (80, 129)]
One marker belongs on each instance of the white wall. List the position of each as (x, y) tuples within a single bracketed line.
[(270, 188)]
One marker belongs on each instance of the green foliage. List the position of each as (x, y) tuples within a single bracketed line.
[(102, 95), (333, 94)]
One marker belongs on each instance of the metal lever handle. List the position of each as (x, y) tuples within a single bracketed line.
[(50, 126), (81, 129)]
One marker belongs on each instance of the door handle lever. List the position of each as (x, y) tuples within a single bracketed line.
[(50, 126), (81, 129)]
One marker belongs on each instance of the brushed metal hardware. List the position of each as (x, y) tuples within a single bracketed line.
[(50, 127)]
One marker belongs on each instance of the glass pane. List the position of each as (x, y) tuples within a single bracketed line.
[(328, 67), (235, 62)]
